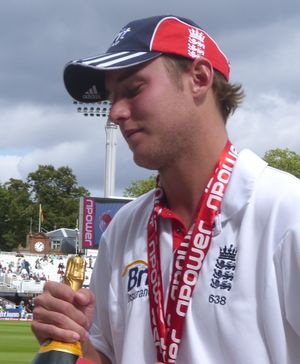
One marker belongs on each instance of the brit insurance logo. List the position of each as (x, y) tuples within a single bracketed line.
[(136, 276)]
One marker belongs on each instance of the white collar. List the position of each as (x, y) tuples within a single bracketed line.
[(246, 171)]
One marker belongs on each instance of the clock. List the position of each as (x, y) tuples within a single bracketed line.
[(39, 246)]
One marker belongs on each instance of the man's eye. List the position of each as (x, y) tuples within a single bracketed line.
[(133, 91)]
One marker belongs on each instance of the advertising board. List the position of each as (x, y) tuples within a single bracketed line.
[(94, 216)]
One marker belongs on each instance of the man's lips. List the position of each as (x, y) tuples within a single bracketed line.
[(130, 132)]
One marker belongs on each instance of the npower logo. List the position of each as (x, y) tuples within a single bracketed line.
[(89, 211), (136, 278)]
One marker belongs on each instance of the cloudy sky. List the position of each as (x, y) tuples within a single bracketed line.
[(40, 125)]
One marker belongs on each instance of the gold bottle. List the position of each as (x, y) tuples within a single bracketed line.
[(56, 352)]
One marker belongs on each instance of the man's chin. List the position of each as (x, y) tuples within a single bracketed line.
[(145, 162)]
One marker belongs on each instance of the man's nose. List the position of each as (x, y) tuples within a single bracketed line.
[(119, 112)]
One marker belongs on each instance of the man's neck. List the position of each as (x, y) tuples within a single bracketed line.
[(185, 182)]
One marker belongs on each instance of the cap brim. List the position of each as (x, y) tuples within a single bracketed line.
[(84, 79)]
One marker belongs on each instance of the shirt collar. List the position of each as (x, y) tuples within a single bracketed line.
[(246, 171)]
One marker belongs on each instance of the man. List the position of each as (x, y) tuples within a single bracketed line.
[(206, 268), (21, 310)]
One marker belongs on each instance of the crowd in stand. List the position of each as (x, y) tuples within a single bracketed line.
[(15, 268), (24, 307), (38, 268)]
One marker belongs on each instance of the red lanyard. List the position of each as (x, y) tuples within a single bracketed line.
[(167, 327)]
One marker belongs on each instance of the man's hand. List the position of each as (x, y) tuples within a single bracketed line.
[(62, 314)]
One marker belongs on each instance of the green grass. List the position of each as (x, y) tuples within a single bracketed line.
[(17, 343)]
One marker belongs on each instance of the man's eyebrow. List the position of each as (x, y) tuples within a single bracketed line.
[(121, 78)]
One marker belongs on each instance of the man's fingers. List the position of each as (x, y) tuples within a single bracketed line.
[(85, 299), (59, 313), (62, 314), (53, 332), (58, 326), (59, 290)]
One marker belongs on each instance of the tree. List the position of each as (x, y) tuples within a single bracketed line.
[(139, 187), (284, 159), (16, 208), (57, 191)]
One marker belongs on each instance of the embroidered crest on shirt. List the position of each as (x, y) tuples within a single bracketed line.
[(224, 268)]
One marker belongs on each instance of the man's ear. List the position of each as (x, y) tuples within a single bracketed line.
[(202, 75)]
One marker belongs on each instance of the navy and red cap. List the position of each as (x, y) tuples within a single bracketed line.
[(140, 41)]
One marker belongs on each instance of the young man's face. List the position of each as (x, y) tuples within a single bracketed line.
[(151, 111)]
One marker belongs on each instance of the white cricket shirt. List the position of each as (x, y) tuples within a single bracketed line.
[(245, 306)]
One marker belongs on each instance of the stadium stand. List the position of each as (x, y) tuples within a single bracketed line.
[(22, 277)]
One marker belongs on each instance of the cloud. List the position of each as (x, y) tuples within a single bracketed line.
[(40, 125), (264, 58), (9, 167), (268, 124), (41, 135)]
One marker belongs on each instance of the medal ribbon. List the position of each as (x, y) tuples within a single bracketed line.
[(167, 327)]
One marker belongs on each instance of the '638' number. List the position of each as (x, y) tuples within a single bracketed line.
[(217, 300)]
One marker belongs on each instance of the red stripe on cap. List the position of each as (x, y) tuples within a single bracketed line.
[(176, 37)]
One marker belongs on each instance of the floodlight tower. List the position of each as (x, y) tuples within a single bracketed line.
[(102, 109), (110, 158)]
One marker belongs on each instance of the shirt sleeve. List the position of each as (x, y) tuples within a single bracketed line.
[(287, 260), (100, 331)]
